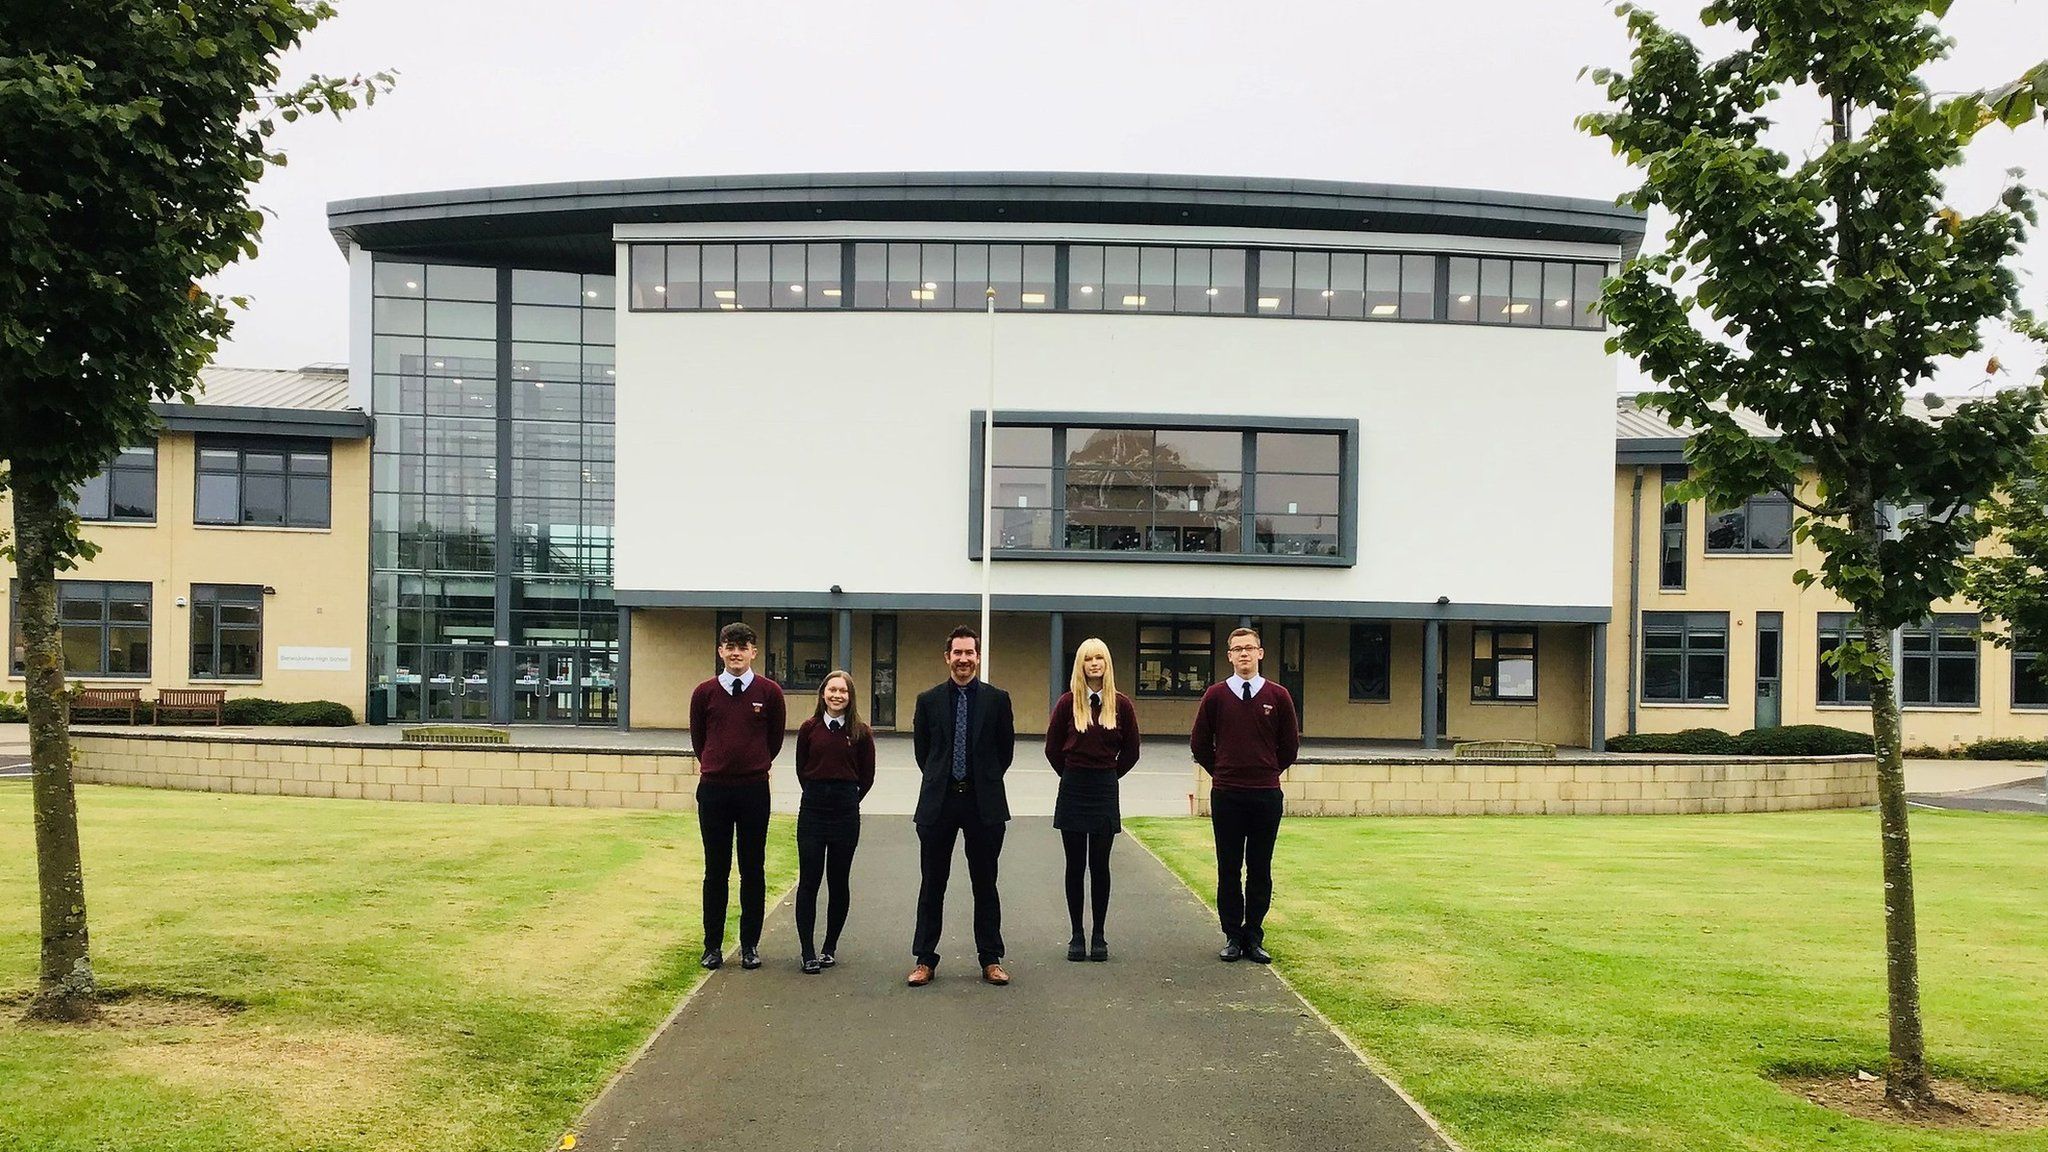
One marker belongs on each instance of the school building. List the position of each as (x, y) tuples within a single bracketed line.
[(584, 425)]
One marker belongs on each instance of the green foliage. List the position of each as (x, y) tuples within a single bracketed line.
[(13, 710), (257, 712), (132, 131), (2007, 748), (1790, 740), (1825, 288), (2011, 586)]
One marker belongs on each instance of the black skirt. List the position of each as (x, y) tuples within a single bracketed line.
[(1087, 802), (829, 812)]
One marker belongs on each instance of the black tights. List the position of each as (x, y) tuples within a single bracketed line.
[(833, 863), (1088, 851)]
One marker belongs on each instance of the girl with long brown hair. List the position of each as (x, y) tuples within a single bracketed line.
[(835, 763)]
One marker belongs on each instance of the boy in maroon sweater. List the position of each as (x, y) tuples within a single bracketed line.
[(1246, 734), (736, 722)]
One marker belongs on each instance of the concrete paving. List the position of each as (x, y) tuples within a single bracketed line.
[(1162, 1048)]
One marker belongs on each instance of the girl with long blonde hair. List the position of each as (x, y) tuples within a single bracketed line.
[(1091, 741)]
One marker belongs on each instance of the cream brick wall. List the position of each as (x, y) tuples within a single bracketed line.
[(1571, 786), (557, 777)]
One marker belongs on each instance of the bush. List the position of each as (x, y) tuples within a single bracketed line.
[(1930, 752), (256, 712), (1690, 742), (2007, 748), (1792, 740), (1804, 740), (11, 709)]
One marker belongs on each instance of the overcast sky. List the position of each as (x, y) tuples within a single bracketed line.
[(1468, 93)]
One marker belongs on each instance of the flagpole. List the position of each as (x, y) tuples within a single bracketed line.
[(988, 492)]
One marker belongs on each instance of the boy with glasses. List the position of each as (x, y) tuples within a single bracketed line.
[(1246, 734)]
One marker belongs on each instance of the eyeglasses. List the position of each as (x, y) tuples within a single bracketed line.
[(1236, 648)]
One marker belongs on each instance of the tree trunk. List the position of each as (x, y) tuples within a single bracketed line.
[(65, 990), (1905, 1078)]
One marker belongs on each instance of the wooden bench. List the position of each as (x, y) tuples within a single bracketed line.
[(193, 702), (109, 700)]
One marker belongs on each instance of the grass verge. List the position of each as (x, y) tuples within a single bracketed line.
[(392, 976), (1631, 983)]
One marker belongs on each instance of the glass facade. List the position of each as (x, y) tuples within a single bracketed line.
[(1302, 283), (491, 494)]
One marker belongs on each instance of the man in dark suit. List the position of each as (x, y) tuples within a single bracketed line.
[(965, 736)]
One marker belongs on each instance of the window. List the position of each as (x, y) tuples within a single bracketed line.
[(951, 276), (1763, 524), (125, 492), (1685, 657), (2029, 677), (105, 629), (1503, 664), (1671, 547), (279, 483), (1836, 687), (1371, 660), (799, 650), (1939, 665), (1175, 659), (1168, 491), (227, 632)]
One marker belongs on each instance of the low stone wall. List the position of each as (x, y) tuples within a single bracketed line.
[(459, 774), (1586, 785)]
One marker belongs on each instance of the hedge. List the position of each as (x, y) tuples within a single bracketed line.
[(1790, 740), (249, 712)]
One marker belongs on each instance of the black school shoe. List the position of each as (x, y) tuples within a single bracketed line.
[(1099, 950), (1076, 948), (713, 958), (1232, 952), (1257, 954), (812, 966), (750, 958), (827, 960)]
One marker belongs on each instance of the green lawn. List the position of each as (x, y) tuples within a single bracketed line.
[(1626, 982), (416, 976)]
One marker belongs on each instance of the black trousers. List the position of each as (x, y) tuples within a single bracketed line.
[(729, 816), (959, 817), (829, 861), (1246, 823)]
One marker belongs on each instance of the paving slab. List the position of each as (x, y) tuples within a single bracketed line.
[(1161, 1048)]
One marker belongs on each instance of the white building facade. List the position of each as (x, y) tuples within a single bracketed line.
[(1375, 422)]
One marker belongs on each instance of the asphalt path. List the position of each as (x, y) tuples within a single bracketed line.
[(1162, 1048), (2017, 796)]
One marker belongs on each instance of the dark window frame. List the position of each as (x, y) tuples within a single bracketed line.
[(1491, 694), (785, 651), (1832, 629), (2025, 649), (215, 596), (1371, 640), (1671, 556), (243, 447), (1688, 624), (1747, 545), (107, 481), (1421, 280), (1180, 646), (1934, 629), (1251, 547), (107, 592)]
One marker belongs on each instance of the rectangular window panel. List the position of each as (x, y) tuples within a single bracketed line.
[(1312, 289), (824, 269), (1671, 545), (1557, 295), (870, 275), (750, 275), (1525, 305), (1175, 659), (1276, 283), (717, 289), (1503, 664), (1226, 281), (1371, 661), (1587, 280), (2029, 675), (1418, 287), (678, 286), (246, 480), (1463, 302), (1685, 657), (1383, 287), (1349, 282), (1084, 278), (227, 632), (1833, 686), (1493, 292), (103, 628), (1939, 662), (1191, 289)]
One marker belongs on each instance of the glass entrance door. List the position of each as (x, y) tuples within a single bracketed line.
[(563, 686), (457, 684), (1770, 646)]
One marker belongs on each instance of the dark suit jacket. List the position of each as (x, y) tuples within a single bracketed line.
[(991, 742)]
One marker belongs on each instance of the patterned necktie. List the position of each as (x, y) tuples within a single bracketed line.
[(959, 733), (1247, 689)]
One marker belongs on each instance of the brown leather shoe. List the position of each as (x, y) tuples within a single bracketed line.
[(994, 974), (920, 976)]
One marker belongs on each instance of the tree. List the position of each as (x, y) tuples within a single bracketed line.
[(1817, 294), (130, 135), (2010, 585)]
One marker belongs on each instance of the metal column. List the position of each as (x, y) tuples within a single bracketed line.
[(1599, 742), (623, 674), (1432, 643), (1056, 675)]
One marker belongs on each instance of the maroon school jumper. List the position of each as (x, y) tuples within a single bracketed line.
[(1098, 749), (736, 738), (1245, 744), (822, 754)]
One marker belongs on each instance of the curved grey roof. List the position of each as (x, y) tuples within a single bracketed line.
[(570, 225)]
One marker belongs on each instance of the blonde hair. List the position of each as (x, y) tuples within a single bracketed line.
[(1094, 647)]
